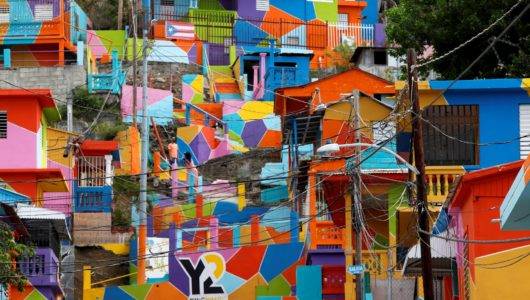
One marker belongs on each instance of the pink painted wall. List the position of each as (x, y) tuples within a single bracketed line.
[(19, 149), (60, 201)]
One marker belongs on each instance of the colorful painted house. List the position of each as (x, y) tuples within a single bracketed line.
[(478, 102), (318, 26), (42, 33), (485, 270), (46, 228), (25, 115), (514, 207), (330, 89)]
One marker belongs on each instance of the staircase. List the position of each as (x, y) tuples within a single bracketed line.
[(226, 87)]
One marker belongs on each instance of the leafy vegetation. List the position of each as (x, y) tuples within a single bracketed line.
[(104, 14), (446, 24), (10, 250), (340, 57)]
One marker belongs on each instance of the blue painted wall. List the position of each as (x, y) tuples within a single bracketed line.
[(498, 118), (302, 62), (371, 12)]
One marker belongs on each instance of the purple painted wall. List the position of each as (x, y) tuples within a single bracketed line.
[(329, 257), (379, 35), (246, 9)]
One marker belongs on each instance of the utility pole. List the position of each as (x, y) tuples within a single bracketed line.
[(142, 236), (359, 281), (419, 161), (134, 15), (69, 113), (120, 14)]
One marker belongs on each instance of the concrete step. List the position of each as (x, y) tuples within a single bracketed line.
[(228, 97), (227, 88)]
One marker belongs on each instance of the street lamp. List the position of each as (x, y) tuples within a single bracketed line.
[(348, 251)]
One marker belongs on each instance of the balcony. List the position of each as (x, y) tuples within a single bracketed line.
[(92, 198), (439, 180), (27, 30), (327, 236), (41, 269), (112, 81)]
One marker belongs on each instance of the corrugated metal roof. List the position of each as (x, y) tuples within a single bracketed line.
[(58, 219), (442, 252), (440, 247), (26, 211)]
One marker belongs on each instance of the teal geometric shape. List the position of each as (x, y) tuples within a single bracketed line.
[(272, 123), (230, 282)]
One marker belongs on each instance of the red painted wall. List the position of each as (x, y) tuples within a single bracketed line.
[(476, 203)]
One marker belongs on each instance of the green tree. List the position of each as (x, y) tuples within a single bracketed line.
[(445, 24), (104, 14), (10, 250)]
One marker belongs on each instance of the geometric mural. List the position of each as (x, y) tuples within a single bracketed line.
[(236, 273), (192, 87), (252, 123), (159, 105)]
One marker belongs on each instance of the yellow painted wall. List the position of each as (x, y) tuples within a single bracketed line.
[(118, 249), (129, 145), (508, 280), (371, 111), (57, 140)]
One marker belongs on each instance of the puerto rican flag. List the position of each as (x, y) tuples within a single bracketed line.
[(180, 30)]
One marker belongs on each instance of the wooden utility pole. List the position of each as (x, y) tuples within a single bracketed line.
[(357, 197), (419, 161), (120, 14), (134, 16)]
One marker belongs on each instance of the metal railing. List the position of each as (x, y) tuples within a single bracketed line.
[(352, 34), (207, 71), (92, 199), (223, 27), (328, 235)]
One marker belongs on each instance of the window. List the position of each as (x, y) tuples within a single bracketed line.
[(343, 20), (194, 3), (4, 14), (3, 125), (43, 12), (380, 58), (524, 130), (167, 10), (445, 127), (262, 5)]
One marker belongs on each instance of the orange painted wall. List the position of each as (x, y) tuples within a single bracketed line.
[(353, 9), (333, 86)]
